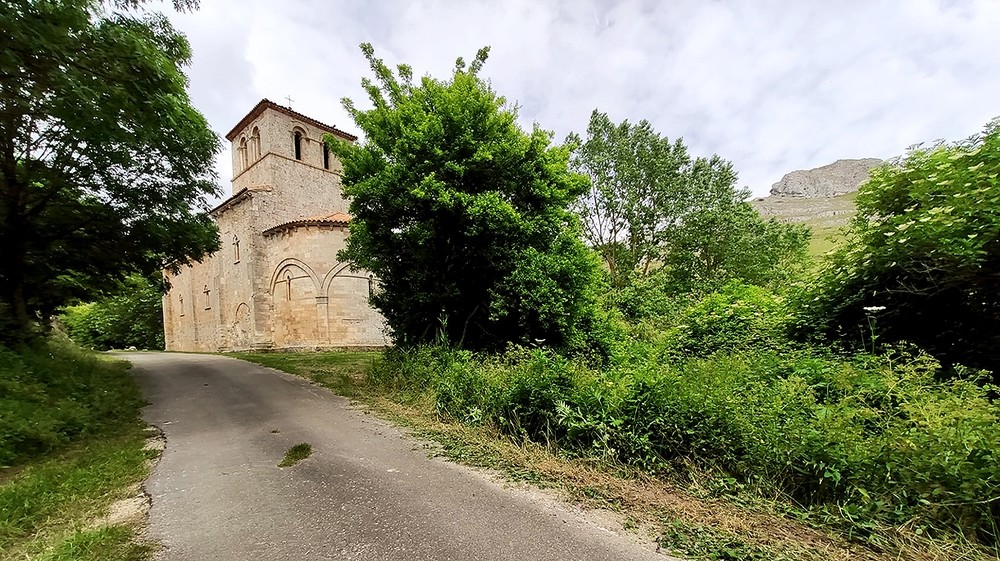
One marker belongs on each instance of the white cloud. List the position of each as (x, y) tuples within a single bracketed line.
[(773, 86)]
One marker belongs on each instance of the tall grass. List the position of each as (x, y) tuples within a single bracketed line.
[(53, 393), (71, 443)]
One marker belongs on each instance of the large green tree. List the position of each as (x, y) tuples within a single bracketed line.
[(727, 240), (636, 192), (104, 163), (462, 216), (652, 208), (921, 261)]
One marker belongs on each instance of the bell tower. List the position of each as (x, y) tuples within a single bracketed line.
[(280, 151)]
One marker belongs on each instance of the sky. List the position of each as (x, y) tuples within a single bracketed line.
[(772, 86)]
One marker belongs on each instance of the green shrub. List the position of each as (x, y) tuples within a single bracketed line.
[(132, 317), (738, 317), (921, 259), (647, 297), (53, 393), (867, 437)]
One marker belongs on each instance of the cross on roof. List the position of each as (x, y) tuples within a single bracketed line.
[(290, 100)]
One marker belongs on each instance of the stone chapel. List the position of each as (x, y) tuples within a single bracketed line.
[(276, 282)]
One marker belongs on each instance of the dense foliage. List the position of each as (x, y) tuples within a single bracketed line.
[(104, 163), (53, 393), (131, 316), (871, 439), (463, 217), (652, 209), (739, 317), (726, 241), (921, 262)]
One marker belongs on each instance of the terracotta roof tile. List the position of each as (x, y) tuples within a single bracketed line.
[(268, 104), (335, 219)]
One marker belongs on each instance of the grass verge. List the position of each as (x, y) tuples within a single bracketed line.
[(72, 463), (694, 516)]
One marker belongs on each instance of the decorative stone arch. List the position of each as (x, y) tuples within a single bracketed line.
[(338, 271), (350, 320), (287, 265), (241, 330), (244, 157)]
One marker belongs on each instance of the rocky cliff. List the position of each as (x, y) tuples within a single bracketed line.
[(838, 178), (822, 198)]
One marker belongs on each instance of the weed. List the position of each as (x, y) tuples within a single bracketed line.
[(53, 394), (702, 542), (296, 454), (101, 544)]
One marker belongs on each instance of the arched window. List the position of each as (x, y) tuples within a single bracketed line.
[(298, 145), (255, 144), (180, 299), (208, 298), (236, 249), (243, 154), (326, 156), (288, 285)]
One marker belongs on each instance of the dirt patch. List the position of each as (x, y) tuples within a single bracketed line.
[(134, 510), (131, 511)]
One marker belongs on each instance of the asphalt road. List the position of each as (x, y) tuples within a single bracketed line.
[(367, 492)]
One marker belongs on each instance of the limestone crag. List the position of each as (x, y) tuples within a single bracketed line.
[(838, 178)]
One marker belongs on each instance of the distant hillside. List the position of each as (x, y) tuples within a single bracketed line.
[(822, 198)]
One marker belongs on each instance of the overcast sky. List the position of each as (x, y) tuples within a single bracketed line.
[(772, 86)]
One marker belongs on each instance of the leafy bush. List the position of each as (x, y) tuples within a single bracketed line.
[(647, 297), (922, 257), (737, 317), (463, 216), (53, 393), (132, 317), (868, 437)]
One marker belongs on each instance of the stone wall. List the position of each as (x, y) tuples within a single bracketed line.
[(276, 132), (305, 297), (190, 315), (317, 300)]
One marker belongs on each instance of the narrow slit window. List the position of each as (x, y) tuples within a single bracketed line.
[(326, 156), (236, 249), (298, 145)]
